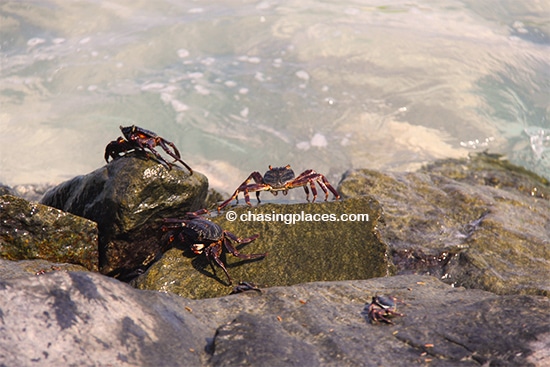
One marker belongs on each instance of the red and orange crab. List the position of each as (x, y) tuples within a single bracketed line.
[(281, 179), (140, 139)]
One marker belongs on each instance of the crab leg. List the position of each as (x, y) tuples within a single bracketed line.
[(176, 154), (240, 240), (236, 253), (327, 185), (310, 176), (213, 252), (150, 144), (246, 187), (307, 192), (257, 188), (173, 223), (163, 143), (313, 191), (115, 147)]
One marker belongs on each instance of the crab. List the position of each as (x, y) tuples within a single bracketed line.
[(382, 309), (209, 238), (140, 139), (281, 179)]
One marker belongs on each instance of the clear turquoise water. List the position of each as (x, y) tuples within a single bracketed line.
[(239, 85)]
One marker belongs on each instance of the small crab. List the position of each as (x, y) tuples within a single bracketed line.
[(138, 138), (281, 179), (209, 238), (382, 309)]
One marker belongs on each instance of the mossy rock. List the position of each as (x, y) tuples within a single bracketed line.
[(127, 198), (305, 251), (479, 222), (30, 230)]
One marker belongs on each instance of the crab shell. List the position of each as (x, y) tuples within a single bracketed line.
[(128, 132), (202, 230), (277, 177)]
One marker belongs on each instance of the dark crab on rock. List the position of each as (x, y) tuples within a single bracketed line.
[(281, 179), (209, 238), (381, 309), (137, 138)]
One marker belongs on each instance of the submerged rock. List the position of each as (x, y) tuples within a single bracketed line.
[(479, 222), (34, 231), (77, 318), (298, 252), (126, 198)]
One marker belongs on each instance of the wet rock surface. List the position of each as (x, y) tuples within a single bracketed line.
[(479, 222), (127, 198), (303, 251), (83, 318), (29, 230)]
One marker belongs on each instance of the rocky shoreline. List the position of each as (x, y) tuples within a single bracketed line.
[(463, 244)]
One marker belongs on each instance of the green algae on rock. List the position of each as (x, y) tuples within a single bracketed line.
[(30, 230), (305, 251), (126, 197), (478, 222)]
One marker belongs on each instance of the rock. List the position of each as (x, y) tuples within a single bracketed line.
[(24, 268), (34, 231), (5, 190), (283, 348), (479, 222), (82, 318), (305, 251), (126, 198), (32, 192), (86, 319)]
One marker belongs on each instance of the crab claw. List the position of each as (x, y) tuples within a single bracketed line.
[(197, 248)]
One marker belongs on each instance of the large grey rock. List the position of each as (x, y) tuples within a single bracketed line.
[(126, 198), (30, 230), (479, 222), (303, 251), (86, 319)]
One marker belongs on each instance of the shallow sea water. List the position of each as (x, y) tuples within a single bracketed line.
[(239, 85)]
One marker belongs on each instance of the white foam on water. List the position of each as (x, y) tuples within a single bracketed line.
[(319, 140)]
